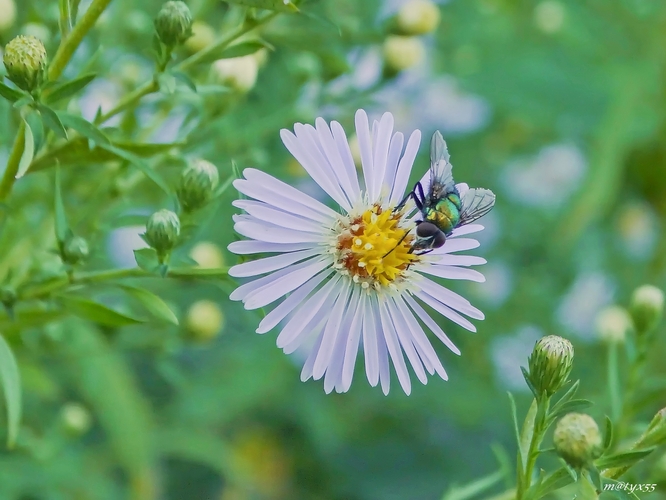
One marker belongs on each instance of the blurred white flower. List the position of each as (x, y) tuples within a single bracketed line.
[(510, 352), (578, 309), (121, 244), (549, 16), (548, 179), (638, 227), (498, 286), (7, 14)]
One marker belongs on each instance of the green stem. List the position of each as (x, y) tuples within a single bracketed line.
[(129, 100), (44, 289), (69, 45), (9, 176), (614, 382), (224, 41), (534, 429)]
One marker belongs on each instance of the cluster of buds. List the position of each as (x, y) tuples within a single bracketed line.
[(577, 439), (25, 60), (404, 49), (74, 250), (550, 365), (173, 23)]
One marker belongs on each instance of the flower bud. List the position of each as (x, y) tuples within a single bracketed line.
[(7, 14), (239, 73), (174, 23), (204, 320), (418, 17), (577, 439), (197, 185), (25, 60), (208, 255), (402, 52), (550, 364), (74, 250), (76, 418), (612, 324), (162, 231), (8, 296), (203, 35), (647, 306)]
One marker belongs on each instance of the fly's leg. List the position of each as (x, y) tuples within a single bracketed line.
[(412, 194), (401, 240)]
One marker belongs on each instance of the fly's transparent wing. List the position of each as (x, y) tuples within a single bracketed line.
[(441, 175), (475, 204)]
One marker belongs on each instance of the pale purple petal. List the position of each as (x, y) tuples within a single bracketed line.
[(430, 323), (270, 264), (365, 145), (405, 168), (452, 273), (246, 247)]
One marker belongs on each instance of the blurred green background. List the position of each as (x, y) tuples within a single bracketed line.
[(558, 106)]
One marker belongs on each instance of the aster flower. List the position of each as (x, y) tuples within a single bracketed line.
[(349, 278)]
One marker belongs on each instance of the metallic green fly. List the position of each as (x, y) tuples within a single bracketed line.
[(442, 208)]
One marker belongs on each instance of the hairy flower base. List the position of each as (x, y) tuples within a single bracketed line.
[(373, 249)]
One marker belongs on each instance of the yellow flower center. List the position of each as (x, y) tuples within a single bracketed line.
[(373, 249)]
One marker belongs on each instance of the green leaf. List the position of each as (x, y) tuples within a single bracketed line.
[(237, 50), (68, 89), (183, 78), (278, 5), (153, 304), (77, 150), (167, 83), (514, 417), (83, 127), (11, 94), (570, 406), (526, 376), (140, 164), (28, 151), (23, 101), (623, 459), (146, 259), (608, 434), (96, 312), (474, 488), (558, 479), (595, 478), (11, 387), (567, 396), (61, 226), (51, 120)]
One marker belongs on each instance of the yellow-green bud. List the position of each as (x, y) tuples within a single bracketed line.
[(647, 306), (162, 231), (75, 250), (25, 60), (577, 439), (174, 23), (204, 320), (550, 364), (197, 185), (417, 17), (203, 35), (612, 324), (76, 418), (402, 52), (208, 255), (239, 73)]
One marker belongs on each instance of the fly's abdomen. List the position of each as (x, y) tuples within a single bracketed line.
[(445, 215)]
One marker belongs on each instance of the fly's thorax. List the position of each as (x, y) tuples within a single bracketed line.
[(445, 214)]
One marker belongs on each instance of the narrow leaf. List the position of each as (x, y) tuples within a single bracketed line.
[(238, 50), (514, 417), (146, 259), (624, 459), (167, 83), (558, 479), (608, 434), (474, 488), (28, 151), (83, 127), (51, 120), (96, 312), (526, 376), (61, 226), (570, 406), (10, 94), (141, 165), (567, 396), (11, 387), (278, 5), (183, 78), (68, 89), (153, 304)]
